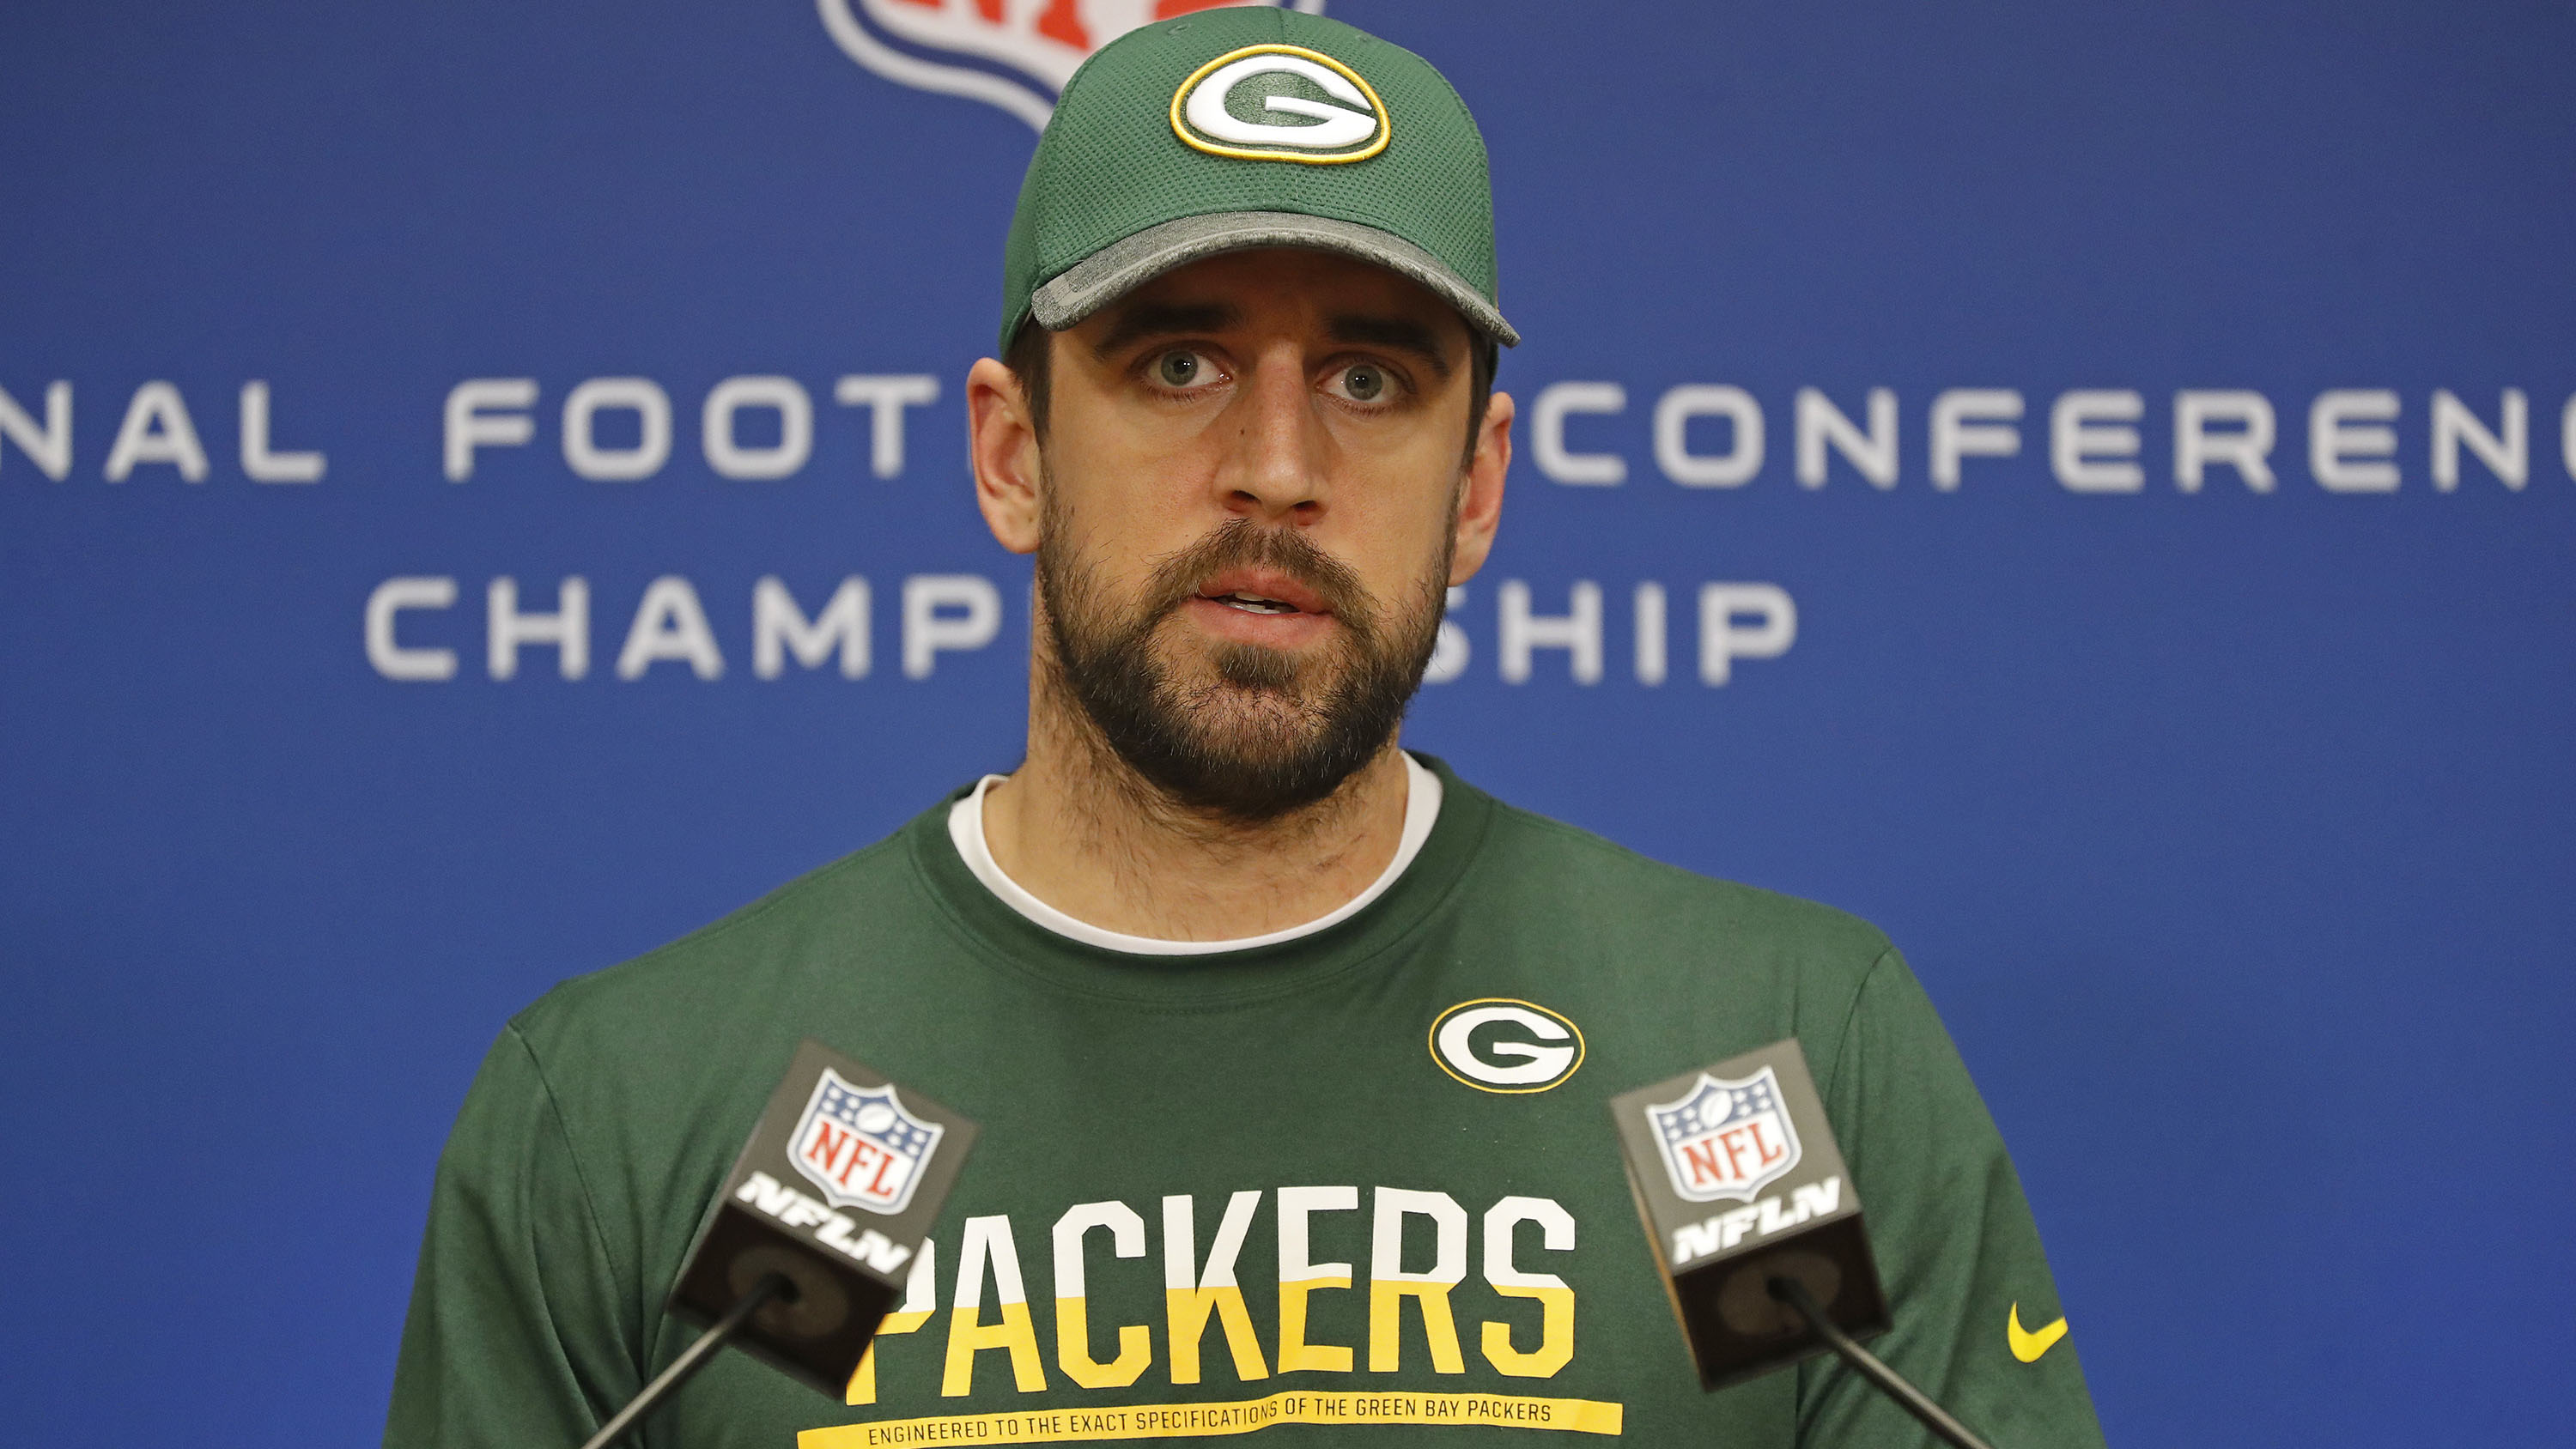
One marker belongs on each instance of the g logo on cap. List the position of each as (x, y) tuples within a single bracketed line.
[(1350, 126), (1498, 1044)]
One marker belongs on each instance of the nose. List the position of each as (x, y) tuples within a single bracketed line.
[(1278, 453)]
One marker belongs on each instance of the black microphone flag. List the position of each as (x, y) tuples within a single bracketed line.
[(1738, 1180), (834, 1193)]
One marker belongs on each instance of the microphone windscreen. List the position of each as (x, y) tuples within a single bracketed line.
[(1738, 1181), (835, 1192)]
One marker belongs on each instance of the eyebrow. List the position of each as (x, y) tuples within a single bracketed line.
[(1401, 333), (1152, 319)]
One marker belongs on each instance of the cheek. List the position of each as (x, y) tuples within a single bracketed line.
[(1115, 500), (1129, 484), (1116, 538), (1398, 519), (1397, 559)]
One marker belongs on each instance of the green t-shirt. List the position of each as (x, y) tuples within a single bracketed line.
[(1226, 1193)]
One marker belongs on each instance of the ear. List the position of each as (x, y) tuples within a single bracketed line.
[(1002, 445), (1480, 499)]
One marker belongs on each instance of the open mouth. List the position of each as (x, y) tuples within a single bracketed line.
[(1269, 593), (1252, 603)]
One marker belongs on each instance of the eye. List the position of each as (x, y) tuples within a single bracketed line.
[(1179, 369), (1363, 382)]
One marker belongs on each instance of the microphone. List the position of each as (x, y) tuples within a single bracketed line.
[(811, 1240), (1756, 1228)]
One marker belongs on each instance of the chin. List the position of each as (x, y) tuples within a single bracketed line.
[(1252, 734), (1226, 715)]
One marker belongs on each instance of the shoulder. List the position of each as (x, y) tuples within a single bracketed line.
[(729, 983), (1705, 967), (1574, 870)]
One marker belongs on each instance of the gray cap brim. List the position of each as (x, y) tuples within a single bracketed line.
[(1120, 268)]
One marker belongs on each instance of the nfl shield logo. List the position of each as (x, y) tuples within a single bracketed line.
[(1725, 1139), (860, 1146), (1016, 54)]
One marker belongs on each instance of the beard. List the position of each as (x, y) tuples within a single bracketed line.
[(1254, 733)]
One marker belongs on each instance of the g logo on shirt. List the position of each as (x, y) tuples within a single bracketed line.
[(1499, 1044)]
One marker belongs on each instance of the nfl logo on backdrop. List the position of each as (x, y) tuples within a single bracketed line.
[(860, 1146), (1725, 1139), (1015, 54)]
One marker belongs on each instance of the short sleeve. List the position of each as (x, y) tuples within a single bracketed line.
[(516, 1336), (1955, 1244)]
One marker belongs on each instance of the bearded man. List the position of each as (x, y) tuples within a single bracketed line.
[(1189, 963)]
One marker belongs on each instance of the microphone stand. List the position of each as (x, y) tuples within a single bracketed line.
[(691, 1359), (1886, 1380)]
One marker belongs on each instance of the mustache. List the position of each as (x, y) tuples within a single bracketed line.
[(1241, 543)]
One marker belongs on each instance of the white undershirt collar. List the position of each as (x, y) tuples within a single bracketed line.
[(966, 829)]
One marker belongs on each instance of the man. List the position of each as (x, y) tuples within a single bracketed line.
[(1188, 963)]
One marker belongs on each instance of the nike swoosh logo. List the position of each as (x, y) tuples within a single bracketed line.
[(2026, 1345)]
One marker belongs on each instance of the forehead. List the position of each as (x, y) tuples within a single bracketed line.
[(1285, 287)]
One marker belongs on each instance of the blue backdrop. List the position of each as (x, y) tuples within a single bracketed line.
[(2229, 825)]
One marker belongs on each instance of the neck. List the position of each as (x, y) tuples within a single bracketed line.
[(1078, 828)]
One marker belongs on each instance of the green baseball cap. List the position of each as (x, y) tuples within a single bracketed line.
[(1246, 127)]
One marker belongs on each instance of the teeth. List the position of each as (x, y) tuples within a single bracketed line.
[(1256, 604)]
